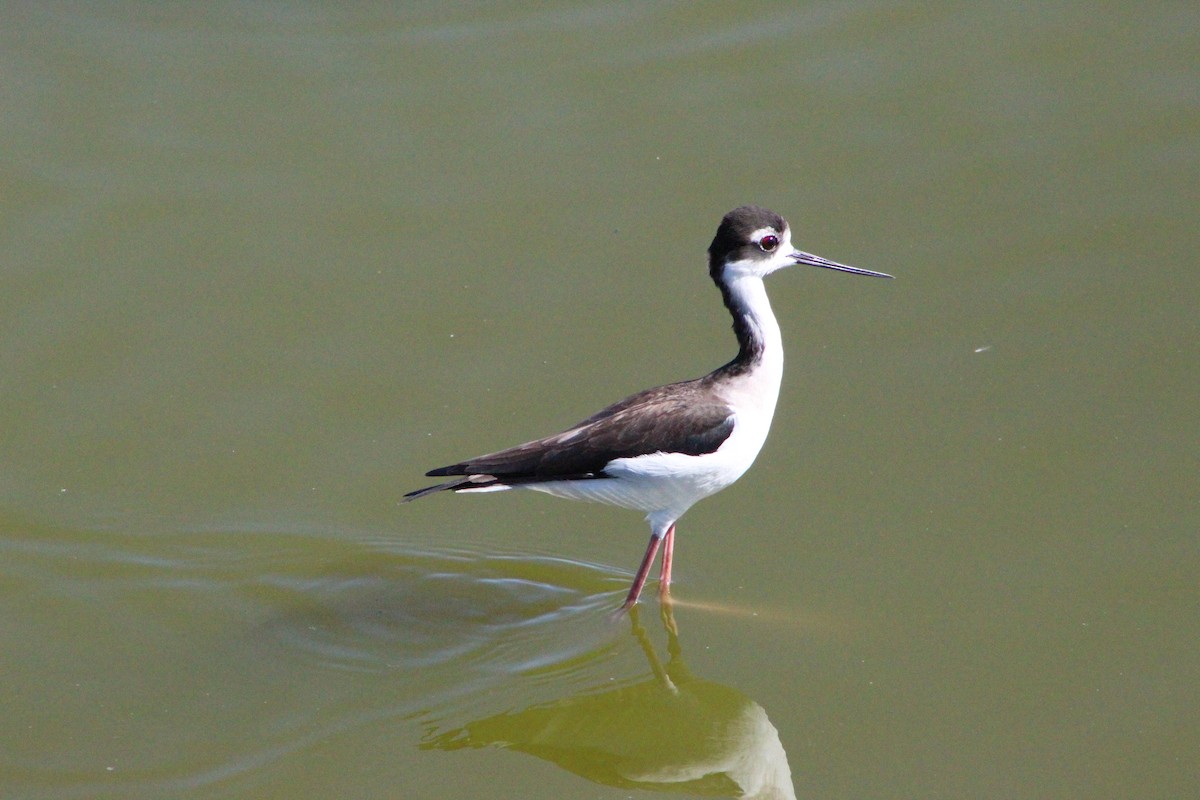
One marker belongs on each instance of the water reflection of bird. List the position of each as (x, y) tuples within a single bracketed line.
[(670, 731), (662, 450)]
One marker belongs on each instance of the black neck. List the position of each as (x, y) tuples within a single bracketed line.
[(749, 335)]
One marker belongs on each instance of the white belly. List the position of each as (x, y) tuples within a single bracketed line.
[(668, 483)]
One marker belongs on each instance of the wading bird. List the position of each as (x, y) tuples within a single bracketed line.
[(661, 450)]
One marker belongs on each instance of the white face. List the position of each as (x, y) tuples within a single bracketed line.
[(768, 250)]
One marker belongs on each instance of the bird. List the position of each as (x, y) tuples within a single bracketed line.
[(663, 449)]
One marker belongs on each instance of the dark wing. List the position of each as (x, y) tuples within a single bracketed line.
[(678, 418)]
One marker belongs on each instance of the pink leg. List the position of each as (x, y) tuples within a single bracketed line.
[(639, 580), (664, 576)]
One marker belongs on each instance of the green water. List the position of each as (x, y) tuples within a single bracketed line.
[(262, 266)]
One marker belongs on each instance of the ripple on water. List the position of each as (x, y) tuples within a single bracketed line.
[(484, 614), (275, 645)]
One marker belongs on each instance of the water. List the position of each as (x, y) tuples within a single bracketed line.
[(264, 265)]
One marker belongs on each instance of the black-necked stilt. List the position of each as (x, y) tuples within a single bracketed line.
[(661, 450)]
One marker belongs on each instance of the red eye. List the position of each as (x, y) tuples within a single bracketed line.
[(768, 243)]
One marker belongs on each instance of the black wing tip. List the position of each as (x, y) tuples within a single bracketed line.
[(462, 482), (449, 486), (419, 493)]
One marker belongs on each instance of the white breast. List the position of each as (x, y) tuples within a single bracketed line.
[(668, 482)]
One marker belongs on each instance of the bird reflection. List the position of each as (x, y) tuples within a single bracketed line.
[(668, 732)]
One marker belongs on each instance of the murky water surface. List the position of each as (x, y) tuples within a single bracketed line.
[(262, 266)]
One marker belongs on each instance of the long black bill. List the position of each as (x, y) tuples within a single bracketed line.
[(817, 261)]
